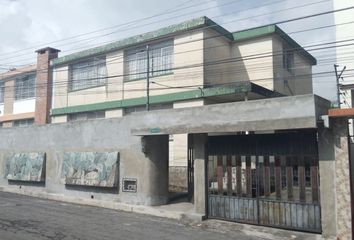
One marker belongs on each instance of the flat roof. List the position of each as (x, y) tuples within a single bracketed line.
[(18, 71), (341, 112)]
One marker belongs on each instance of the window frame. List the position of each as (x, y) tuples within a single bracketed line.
[(85, 64), (2, 92), (20, 122), (288, 59), (156, 54), (28, 89), (85, 116)]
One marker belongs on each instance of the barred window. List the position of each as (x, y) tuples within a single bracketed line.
[(2, 92), (160, 61), (89, 73), (86, 116), (23, 122), (25, 87), (288, 59)]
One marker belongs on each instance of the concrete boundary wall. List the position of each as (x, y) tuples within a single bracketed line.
[(146, 158), (149, 168)]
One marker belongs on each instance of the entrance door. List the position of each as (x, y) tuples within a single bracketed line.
[(269, 179)]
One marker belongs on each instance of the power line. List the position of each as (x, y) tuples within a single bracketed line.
[(242, 19), (227, 60), (196, 87), (121, 57), (120, 25), (107, 28)]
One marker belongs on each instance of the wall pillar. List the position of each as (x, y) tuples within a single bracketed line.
[(44, 84), (335, 180), (200, 156)]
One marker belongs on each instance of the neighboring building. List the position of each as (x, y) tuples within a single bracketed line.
[(17, 97), (344, 25), (193, 63), (25, 93)]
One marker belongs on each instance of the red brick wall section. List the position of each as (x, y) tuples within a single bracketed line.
[(44, 85)]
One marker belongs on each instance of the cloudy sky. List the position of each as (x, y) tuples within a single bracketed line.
[(26, 25)]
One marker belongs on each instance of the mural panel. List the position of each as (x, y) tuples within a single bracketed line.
[(25, 167), (99, 169)]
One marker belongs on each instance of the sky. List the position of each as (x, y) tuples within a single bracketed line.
[(27, 25)]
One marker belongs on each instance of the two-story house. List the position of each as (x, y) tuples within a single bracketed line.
[(193, 63)]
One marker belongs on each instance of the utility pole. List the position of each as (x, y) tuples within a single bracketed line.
[(338, 76), (147, 78)]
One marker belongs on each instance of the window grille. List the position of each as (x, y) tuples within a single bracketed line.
[(25, 87), (86, 116), (89, 73), (288, 59), (160, 61), (2, 92), (23, 122)]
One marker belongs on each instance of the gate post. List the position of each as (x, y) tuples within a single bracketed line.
[(334, 180), (199, 141)]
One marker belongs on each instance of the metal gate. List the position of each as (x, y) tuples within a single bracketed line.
[(190, 170), (268, 179)]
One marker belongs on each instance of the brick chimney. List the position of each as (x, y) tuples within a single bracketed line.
[(44, 84)]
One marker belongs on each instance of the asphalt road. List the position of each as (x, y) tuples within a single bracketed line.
[(28, 218), (23, 217)]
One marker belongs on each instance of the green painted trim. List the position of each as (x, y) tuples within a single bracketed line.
[(194, 94), (160, 33), (253, 33), (272, 29)]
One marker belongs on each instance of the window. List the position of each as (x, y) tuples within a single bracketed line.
[(25, 87), (88, 73), (160, 61), (23, 122), (2, 92), (288, 59), (86, 116)]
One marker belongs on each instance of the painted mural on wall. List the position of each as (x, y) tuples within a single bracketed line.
[(99, 169), (25, 167)]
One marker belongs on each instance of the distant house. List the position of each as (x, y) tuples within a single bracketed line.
[(25, 93), (17, 97)]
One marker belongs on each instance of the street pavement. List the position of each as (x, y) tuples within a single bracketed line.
[(28, 218)]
